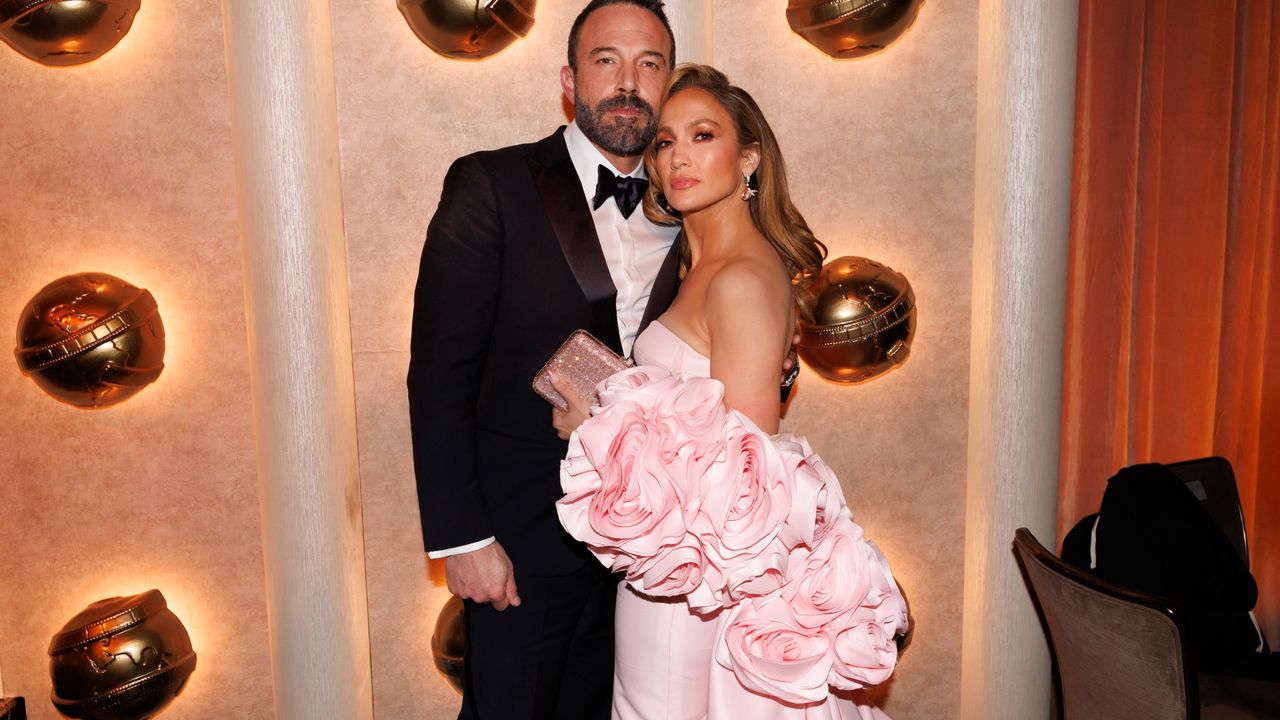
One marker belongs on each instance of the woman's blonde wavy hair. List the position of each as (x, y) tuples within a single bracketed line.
[(772, 211)]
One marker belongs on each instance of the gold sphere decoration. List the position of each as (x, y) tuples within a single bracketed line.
[(468, 29), (863, 320), (848, 29), (91, 340), (122, 658), (449, 642), (65, 32)]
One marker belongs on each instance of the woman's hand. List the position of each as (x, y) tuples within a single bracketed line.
[(567, 420)]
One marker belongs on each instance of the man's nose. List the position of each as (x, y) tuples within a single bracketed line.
[(627, 79)]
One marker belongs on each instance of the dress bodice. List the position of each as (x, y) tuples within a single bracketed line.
[(660, 347)]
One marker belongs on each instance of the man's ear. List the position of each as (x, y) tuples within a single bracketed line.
[(566, 84)]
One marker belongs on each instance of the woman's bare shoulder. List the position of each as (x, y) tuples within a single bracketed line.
[(749, 281)]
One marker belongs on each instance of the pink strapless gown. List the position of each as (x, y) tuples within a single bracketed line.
[(664, 667)]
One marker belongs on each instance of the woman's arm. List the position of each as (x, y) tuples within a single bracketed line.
[(748, 313)]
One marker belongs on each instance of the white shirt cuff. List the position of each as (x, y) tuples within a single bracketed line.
[(437, 554)]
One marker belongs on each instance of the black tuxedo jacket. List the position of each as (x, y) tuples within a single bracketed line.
[(511, 266)]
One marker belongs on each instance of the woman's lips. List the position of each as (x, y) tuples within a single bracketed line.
[(682, 183)]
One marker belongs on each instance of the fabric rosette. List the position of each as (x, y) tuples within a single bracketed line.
[(689, 414), (745, 497), (833, 622), (865, 649), (832, 579), (674, 571), (844, 586), (619, 497), (629, 477), (772, 654), (818, 497)]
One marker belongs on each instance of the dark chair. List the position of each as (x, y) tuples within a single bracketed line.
[(1213, 482), (1120, 654)]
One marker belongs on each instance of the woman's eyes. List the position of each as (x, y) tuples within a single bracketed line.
[(700, 136)]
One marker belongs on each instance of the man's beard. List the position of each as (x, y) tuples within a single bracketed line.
[(624, 136)]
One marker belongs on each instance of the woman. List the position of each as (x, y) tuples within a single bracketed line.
[(749, 592)]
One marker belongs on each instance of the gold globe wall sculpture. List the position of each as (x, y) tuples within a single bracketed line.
[(91, 340), (468, 29), (848, 29), (862, 323), (65, 32), (449, 642), (122, 658)]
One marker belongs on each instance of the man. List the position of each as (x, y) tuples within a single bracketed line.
[(529, 243)]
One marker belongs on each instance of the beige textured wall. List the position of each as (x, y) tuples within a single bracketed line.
[(124, 166), (881, 159)]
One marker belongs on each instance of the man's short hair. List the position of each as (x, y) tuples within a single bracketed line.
[(653, 6)]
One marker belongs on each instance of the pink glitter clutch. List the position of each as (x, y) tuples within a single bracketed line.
[(583, 361)]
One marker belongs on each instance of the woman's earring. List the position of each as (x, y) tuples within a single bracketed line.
[(749, 190)]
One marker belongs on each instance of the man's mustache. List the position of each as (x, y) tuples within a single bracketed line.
[(625, 102)]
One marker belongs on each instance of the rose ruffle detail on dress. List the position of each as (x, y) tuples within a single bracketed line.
[(688, 499)]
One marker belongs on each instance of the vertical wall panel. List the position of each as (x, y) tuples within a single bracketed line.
[(1026, 89), (285, 130), (691, 25)]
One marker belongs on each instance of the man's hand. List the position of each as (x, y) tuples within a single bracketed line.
[(790, 368), (568, 420), (483, 576)]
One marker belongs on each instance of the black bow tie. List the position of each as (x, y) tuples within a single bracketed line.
[(626, 191)]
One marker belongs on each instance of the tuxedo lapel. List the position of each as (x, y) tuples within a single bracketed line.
[(664, 286), (566, 207)]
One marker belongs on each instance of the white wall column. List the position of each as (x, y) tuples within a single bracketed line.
[(1026, 101), (691, 24), (284, 123)]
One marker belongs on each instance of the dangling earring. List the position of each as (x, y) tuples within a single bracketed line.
[(748, 191)]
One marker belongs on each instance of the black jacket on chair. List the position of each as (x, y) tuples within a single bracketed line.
[(1155, 537), (511, 267)]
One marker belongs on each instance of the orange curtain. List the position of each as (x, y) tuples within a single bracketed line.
[(1173, 318)]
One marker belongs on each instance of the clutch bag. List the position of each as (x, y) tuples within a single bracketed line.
[(582, 361)]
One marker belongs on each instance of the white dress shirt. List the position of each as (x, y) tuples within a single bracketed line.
[(634, 249)]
